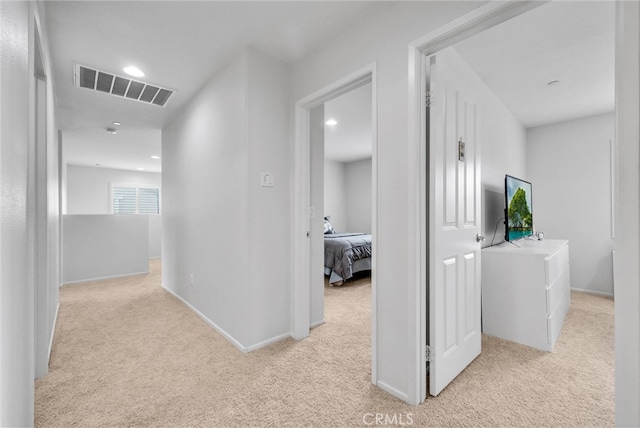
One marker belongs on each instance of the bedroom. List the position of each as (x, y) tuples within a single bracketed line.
[(495, 176), (341, 189)]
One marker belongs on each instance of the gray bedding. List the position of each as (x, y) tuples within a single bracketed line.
[(341, 250)]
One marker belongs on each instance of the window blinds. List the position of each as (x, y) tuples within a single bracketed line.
[(124, 200), (133, 200)]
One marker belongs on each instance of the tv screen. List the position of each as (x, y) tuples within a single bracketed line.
[(519, 212)]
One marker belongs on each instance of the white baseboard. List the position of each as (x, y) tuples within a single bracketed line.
[(53, 331), (318, 323), (393, 391), (267, 342), (77, 281), (226, 335), (596, 293), (208, 321)]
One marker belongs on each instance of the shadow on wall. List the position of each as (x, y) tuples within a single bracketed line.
[(493, 215), (603, 277)]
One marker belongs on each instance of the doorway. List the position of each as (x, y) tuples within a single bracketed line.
[(436, 43), (341, 190), (308, 284)]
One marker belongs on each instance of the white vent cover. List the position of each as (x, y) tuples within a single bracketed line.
[(90, 78)]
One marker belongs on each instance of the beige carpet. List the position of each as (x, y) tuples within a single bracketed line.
[(126, 353)]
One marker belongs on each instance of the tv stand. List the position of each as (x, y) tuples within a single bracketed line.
[(526, 291)]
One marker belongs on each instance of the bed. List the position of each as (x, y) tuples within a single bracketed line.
[(346, 254)]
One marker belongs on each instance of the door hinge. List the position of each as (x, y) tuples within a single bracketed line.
[(427, 353), (428, 101), (461, 146)]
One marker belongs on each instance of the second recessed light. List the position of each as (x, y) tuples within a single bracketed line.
[(133, 71)]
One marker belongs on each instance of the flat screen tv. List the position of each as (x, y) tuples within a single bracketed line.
[(518, 211)]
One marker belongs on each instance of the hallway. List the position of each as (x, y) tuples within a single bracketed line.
[(126, 353)]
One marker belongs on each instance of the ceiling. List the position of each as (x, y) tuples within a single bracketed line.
[(350, 139), (180, 45), (130, 149), (571, 42)]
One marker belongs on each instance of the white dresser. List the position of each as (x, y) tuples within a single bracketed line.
[(526, 291)]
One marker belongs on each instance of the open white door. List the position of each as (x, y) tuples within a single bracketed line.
[(454, 225)]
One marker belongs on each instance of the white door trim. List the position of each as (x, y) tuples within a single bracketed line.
[(468, 25), (302, 201)]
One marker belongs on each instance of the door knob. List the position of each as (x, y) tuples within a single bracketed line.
[(479, 238)]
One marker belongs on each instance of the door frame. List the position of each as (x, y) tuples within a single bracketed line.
[(300, 285), (39, 229), (459, 29)]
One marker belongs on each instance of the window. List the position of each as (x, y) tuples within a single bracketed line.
[(148, 201), (131, 199)]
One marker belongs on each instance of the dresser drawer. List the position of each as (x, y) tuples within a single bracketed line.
[(525, 291), (557, 290), (556, 318), (556, 264)]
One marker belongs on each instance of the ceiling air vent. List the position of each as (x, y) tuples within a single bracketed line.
[(96, 80)]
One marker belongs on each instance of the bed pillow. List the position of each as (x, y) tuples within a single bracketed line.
[(328, 229)]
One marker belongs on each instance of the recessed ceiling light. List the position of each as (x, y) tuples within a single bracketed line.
[(155, 157), (331, 122), (553, 82), (140, 169), (133, 71), (112, 131), (116, 123)]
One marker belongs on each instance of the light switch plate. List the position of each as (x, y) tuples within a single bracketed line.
[(266, 179)]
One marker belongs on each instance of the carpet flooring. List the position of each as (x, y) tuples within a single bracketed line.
[(128, 354)]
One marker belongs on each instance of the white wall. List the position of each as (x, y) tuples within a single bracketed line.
[(218, 223), (627, 268), (204, 218), (104, 246), (358, 184), (335, 194), (18, 294), (384, 39), (155, 236), (569, 165), (503, 152), (347, 195), (88, 191), (268, 150)]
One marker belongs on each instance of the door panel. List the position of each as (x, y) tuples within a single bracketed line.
[(470, 287), (450, 280), (448, 151), (454, 222)]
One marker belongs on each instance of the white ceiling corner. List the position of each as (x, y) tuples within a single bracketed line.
[(569, 41)]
